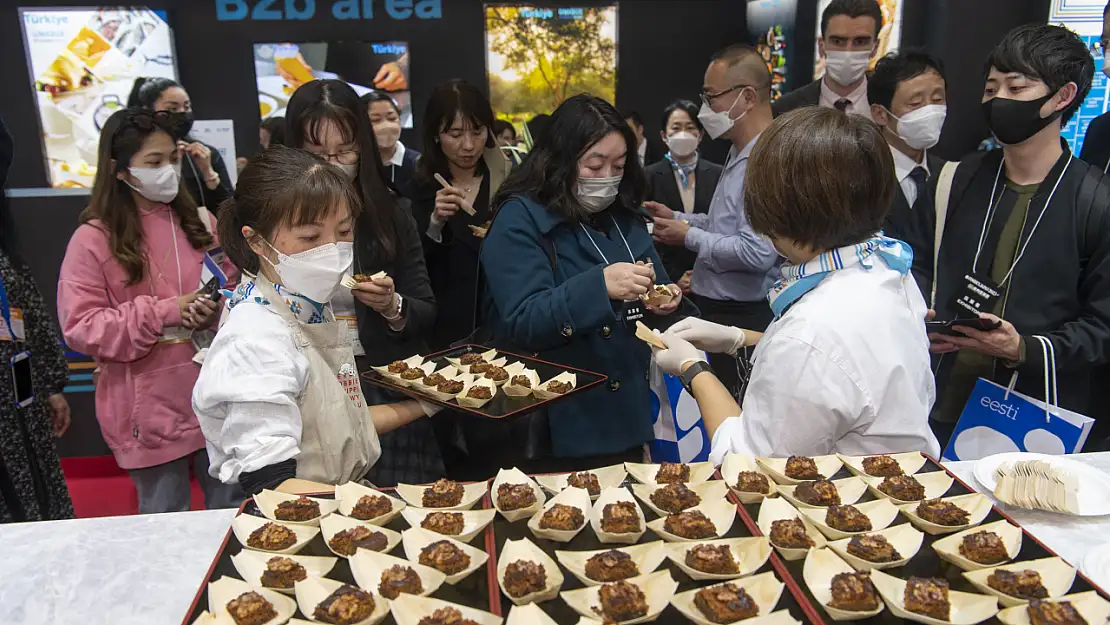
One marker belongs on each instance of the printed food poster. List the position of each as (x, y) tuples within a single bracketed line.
[(1084, 17), (84, 63)]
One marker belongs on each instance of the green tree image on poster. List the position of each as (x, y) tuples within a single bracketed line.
[(540, 57)]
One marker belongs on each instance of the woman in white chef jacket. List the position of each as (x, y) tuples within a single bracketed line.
[(278, 398), (844, 368)]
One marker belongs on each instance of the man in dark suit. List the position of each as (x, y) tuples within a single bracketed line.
[(647, 149), (1096, 143), (849, 38), (909, 101), (682, 181)]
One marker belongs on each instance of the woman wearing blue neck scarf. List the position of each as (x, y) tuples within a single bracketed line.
[(844, 367)]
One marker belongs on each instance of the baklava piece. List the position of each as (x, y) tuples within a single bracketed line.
[(250, 608), (1054, 613), (726, 603), (622, 517), (371, 507), (942, 513), (349, 541), (413, 374), (691, 525), (675, 498), (854, 592), (447, 523), (585, 480), (346, 606), (471, 358), (873, 548), (443, 493), (446, 616), (672, 473), (362, 278), (1022, 584), (984, 548), (434, 380), (712, 559), (903, 487), (557, 387), (300, 509), (611, 566), (847, 519), (480, 367), (881, 466), (497, 374), (444, 557), (522, 381), (479, 392), (397, 366), (563, 518), (801, 468), (399, 579), (790, 534), (282, 573), (523, 578), (622, 601), (752, 482), (928, 596), (453, 387), (515, 496), (818, 493), (272, 537)]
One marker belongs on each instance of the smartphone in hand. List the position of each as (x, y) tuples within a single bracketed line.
[(949, 327)]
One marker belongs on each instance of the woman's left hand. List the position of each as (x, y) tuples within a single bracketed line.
[(670, 306), (59, 414), (202, 156), (378, 295)]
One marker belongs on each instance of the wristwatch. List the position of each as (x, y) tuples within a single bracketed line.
[(687, 376)]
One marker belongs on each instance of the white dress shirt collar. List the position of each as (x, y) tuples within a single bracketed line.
[(860, 106), (903, 164), (398, 155)]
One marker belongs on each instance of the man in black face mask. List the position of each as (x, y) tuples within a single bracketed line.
[(1026, 238)]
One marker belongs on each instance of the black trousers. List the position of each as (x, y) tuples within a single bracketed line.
[(744, 315)]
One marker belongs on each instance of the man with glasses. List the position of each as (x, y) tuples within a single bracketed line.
[(849, 38), (731, 273)]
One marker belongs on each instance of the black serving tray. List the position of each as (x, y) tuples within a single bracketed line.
[(502, 405)]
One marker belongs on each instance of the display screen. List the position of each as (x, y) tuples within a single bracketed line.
[(889, 37), (771, 26), (83, 63), (282, 67), (538, 57), (1085, 18)]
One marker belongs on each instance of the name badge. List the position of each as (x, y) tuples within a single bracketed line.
[(977, 295), (17, 327), (633, 312)]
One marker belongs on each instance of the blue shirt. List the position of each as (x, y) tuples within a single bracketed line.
[(734, 263)]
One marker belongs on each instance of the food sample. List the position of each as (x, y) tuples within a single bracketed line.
[(881, 466), (444, 557), (282, 573), (752, 482), (515, 496), (847, 519), (1054, 613), (521, 380), (675, 498), (413, 374), (453, 387), (300, 509), (1022, 584), (611, 566), (790, 534), (854, 592), (272, 537), (397, 366), (903, 487), (563, 518), (399, 579), (622, 601), (819, 492), (523, 578), (363, 278), (479, 392), (480, 367), (443, 493), (446, 616), (801, 468), (371, 507), (726, 603), (497, 374), (585, 480), (345, 606), (471, 358), (250, 608), (691, 524), (434, 380), (622, 517), (928, 596), (555, 386), (349, 541), (672, 472), (873, 548), (984, 548), (714, 559), (449, 523), (942, 513)]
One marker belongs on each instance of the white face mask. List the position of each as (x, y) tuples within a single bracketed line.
[(349, 170), (920, 129), (157, 184), (387, 133), (717, 123), (845, 68), (315, 273), (597, 194), (682, 143)]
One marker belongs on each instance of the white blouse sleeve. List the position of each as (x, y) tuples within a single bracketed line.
[(246, 396), (798, 402)]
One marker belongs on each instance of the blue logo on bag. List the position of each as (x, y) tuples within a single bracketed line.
[(679, 432)]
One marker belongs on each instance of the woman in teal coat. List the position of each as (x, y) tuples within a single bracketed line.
[(567, 254)]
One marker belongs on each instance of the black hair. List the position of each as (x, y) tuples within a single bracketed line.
[(500, 126), (896, 68), (320, 102), (537, 126), (449, 100), (146, 91), (689, 107), (852, 8), (379, 96), (276, 127), (550, 173), (634, 116), (1052, 54)]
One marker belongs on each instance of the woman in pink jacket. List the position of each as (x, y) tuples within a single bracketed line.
[(127, 296)]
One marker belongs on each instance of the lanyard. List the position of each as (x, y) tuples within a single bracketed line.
[(6, 310), (630, 254)]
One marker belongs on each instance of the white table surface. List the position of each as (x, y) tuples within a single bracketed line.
[(145, 570)]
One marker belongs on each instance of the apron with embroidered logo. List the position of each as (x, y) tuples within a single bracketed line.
[(338, 440)]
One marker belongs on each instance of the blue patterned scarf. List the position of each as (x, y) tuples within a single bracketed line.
[(306, 310), (684, 171)]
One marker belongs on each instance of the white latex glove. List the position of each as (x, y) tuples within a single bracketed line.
[(706, 335), (678, 353)]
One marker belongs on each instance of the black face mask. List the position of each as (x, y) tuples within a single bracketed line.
[(1014, 121), (182, 124)]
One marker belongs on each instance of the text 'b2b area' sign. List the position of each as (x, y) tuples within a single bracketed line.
[(277, 10)]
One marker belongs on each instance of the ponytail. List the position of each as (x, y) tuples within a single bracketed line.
[(146, 91)]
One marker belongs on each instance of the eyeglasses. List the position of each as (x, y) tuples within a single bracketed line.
[(708, 96), (1099, 47), (346, 157)]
